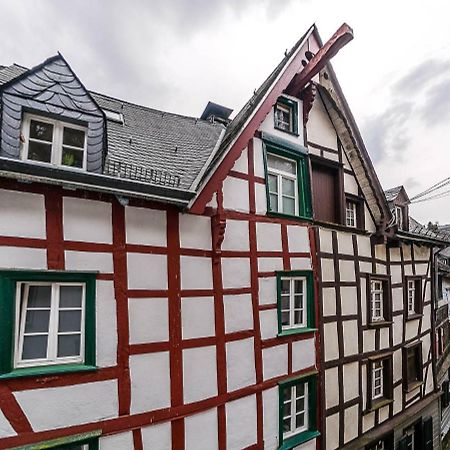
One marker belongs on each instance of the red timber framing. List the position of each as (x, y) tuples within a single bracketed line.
[(56, 246), (289, 75)]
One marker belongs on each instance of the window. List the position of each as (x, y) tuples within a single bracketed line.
[(413, 297), (295, 297), (297, 411), (379, 381), (48, 322), (384, 443), (287, 182), (412, 366), (445, 396), (53, 142), (286, 115), (350, 214), (378, 295), (399, 216), (418, 436)]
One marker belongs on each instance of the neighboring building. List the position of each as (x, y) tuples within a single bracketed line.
[(168, 282)]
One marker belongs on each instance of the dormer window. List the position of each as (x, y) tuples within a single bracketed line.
[(49, 141), (399, 216), (286, 115)]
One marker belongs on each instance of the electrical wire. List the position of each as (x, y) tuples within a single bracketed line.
[(431, 189), (433, 197)]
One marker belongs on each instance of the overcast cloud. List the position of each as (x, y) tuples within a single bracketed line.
[(176, 55)]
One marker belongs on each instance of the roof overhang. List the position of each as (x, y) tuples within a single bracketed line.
[(71, 179)]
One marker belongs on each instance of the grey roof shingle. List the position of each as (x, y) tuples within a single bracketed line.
[(152, 139), (392, 193)]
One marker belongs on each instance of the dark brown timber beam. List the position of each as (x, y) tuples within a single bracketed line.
[(339, 39)]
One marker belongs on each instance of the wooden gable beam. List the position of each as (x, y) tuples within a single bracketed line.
[(339, 39)]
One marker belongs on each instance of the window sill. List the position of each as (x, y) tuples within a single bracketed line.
[(379, 403), (414, 316), (287, 216), (380, 324), (412, 386), (298, 439), (47, 370), (296, 331)]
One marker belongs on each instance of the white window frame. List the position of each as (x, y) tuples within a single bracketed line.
[(293, 411), (377, 313), (399, 216), (350, 214), (57, 141), (280, 174), (411, 297), (292, 309), (377, 375), (52, 344)]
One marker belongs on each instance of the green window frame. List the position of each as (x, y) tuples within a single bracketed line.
[(284, 391), (67, 442), (297, 154), (292, 106), (309, 324), (9, 281)]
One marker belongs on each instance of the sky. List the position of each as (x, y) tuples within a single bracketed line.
[(176, 55)]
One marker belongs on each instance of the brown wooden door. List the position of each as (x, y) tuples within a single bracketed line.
[(325, 193)]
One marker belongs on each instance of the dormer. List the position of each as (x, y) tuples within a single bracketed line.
[(398, 202), (50, 120)]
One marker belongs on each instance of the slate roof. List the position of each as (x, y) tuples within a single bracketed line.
[(152, 139), (392, 194)]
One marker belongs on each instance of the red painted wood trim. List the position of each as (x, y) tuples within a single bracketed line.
[(137, 439), (175, 332), (11, 241), (150, 347), (87, 246), (285, 247), (13, 412), (120, 291), (54, 228)]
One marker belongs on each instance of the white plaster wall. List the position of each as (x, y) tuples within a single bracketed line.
[(236, 272), (345, 243), (325, 240), (238, 312), (332, 436), (260, 199), (329, 301), (270, 264), (241, 164), (301, 264), (298, 239), (330, 340), (195, 232), (350, 184), (119, 441), (201, 431), (101, 262), (268, 323), (148, 319), (145, 226), (258, 157), (397, 299), (369, 223), (351, 418), (25, 213), (196, 272), (368, 340), (87, 220), (69, 405), (275, 361), (350, 328), (349, 300), (267, 290), (331, 390), (397, 329), (23, 258), (368, 421), (235, 194), (303, 354), (197, 315), (236, 235), (268, 236), (351, 381), (397, 367), (106, 324), (199, 373), (310, 445), (347, 270), (5, 428), (364, 248), (319, 128), (327, 269), (241, 422), (157, 437), (146, 271), (150, 382), (270, 418), (240, 364)]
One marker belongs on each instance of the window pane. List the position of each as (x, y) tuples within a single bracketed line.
[(288, 187), (288, 205), (37, 321), (299, 420), (42, 131), (285, 287), (298, 301), (74, 138), (39, 296), (34, 347), (72, 158), (300, 390), (285, 318), (282, 164), (298, 286), (273, 186), (287, 409), (70, 296), (39, 152), (69, 321), (273, 202), (71, 447), (69, 345), (300, 405), (287, 425)]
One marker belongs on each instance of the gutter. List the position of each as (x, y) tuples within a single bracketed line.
[(71, 179)]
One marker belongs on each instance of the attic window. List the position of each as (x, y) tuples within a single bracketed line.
[(49, 141), (286, 115), (113, 116)]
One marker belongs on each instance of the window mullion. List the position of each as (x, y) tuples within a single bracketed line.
[(291, 302), (53, 329), (293, 408), (58, 143), (280, 192), (22, 319)]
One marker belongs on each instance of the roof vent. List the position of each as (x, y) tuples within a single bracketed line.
[(216, 113)]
